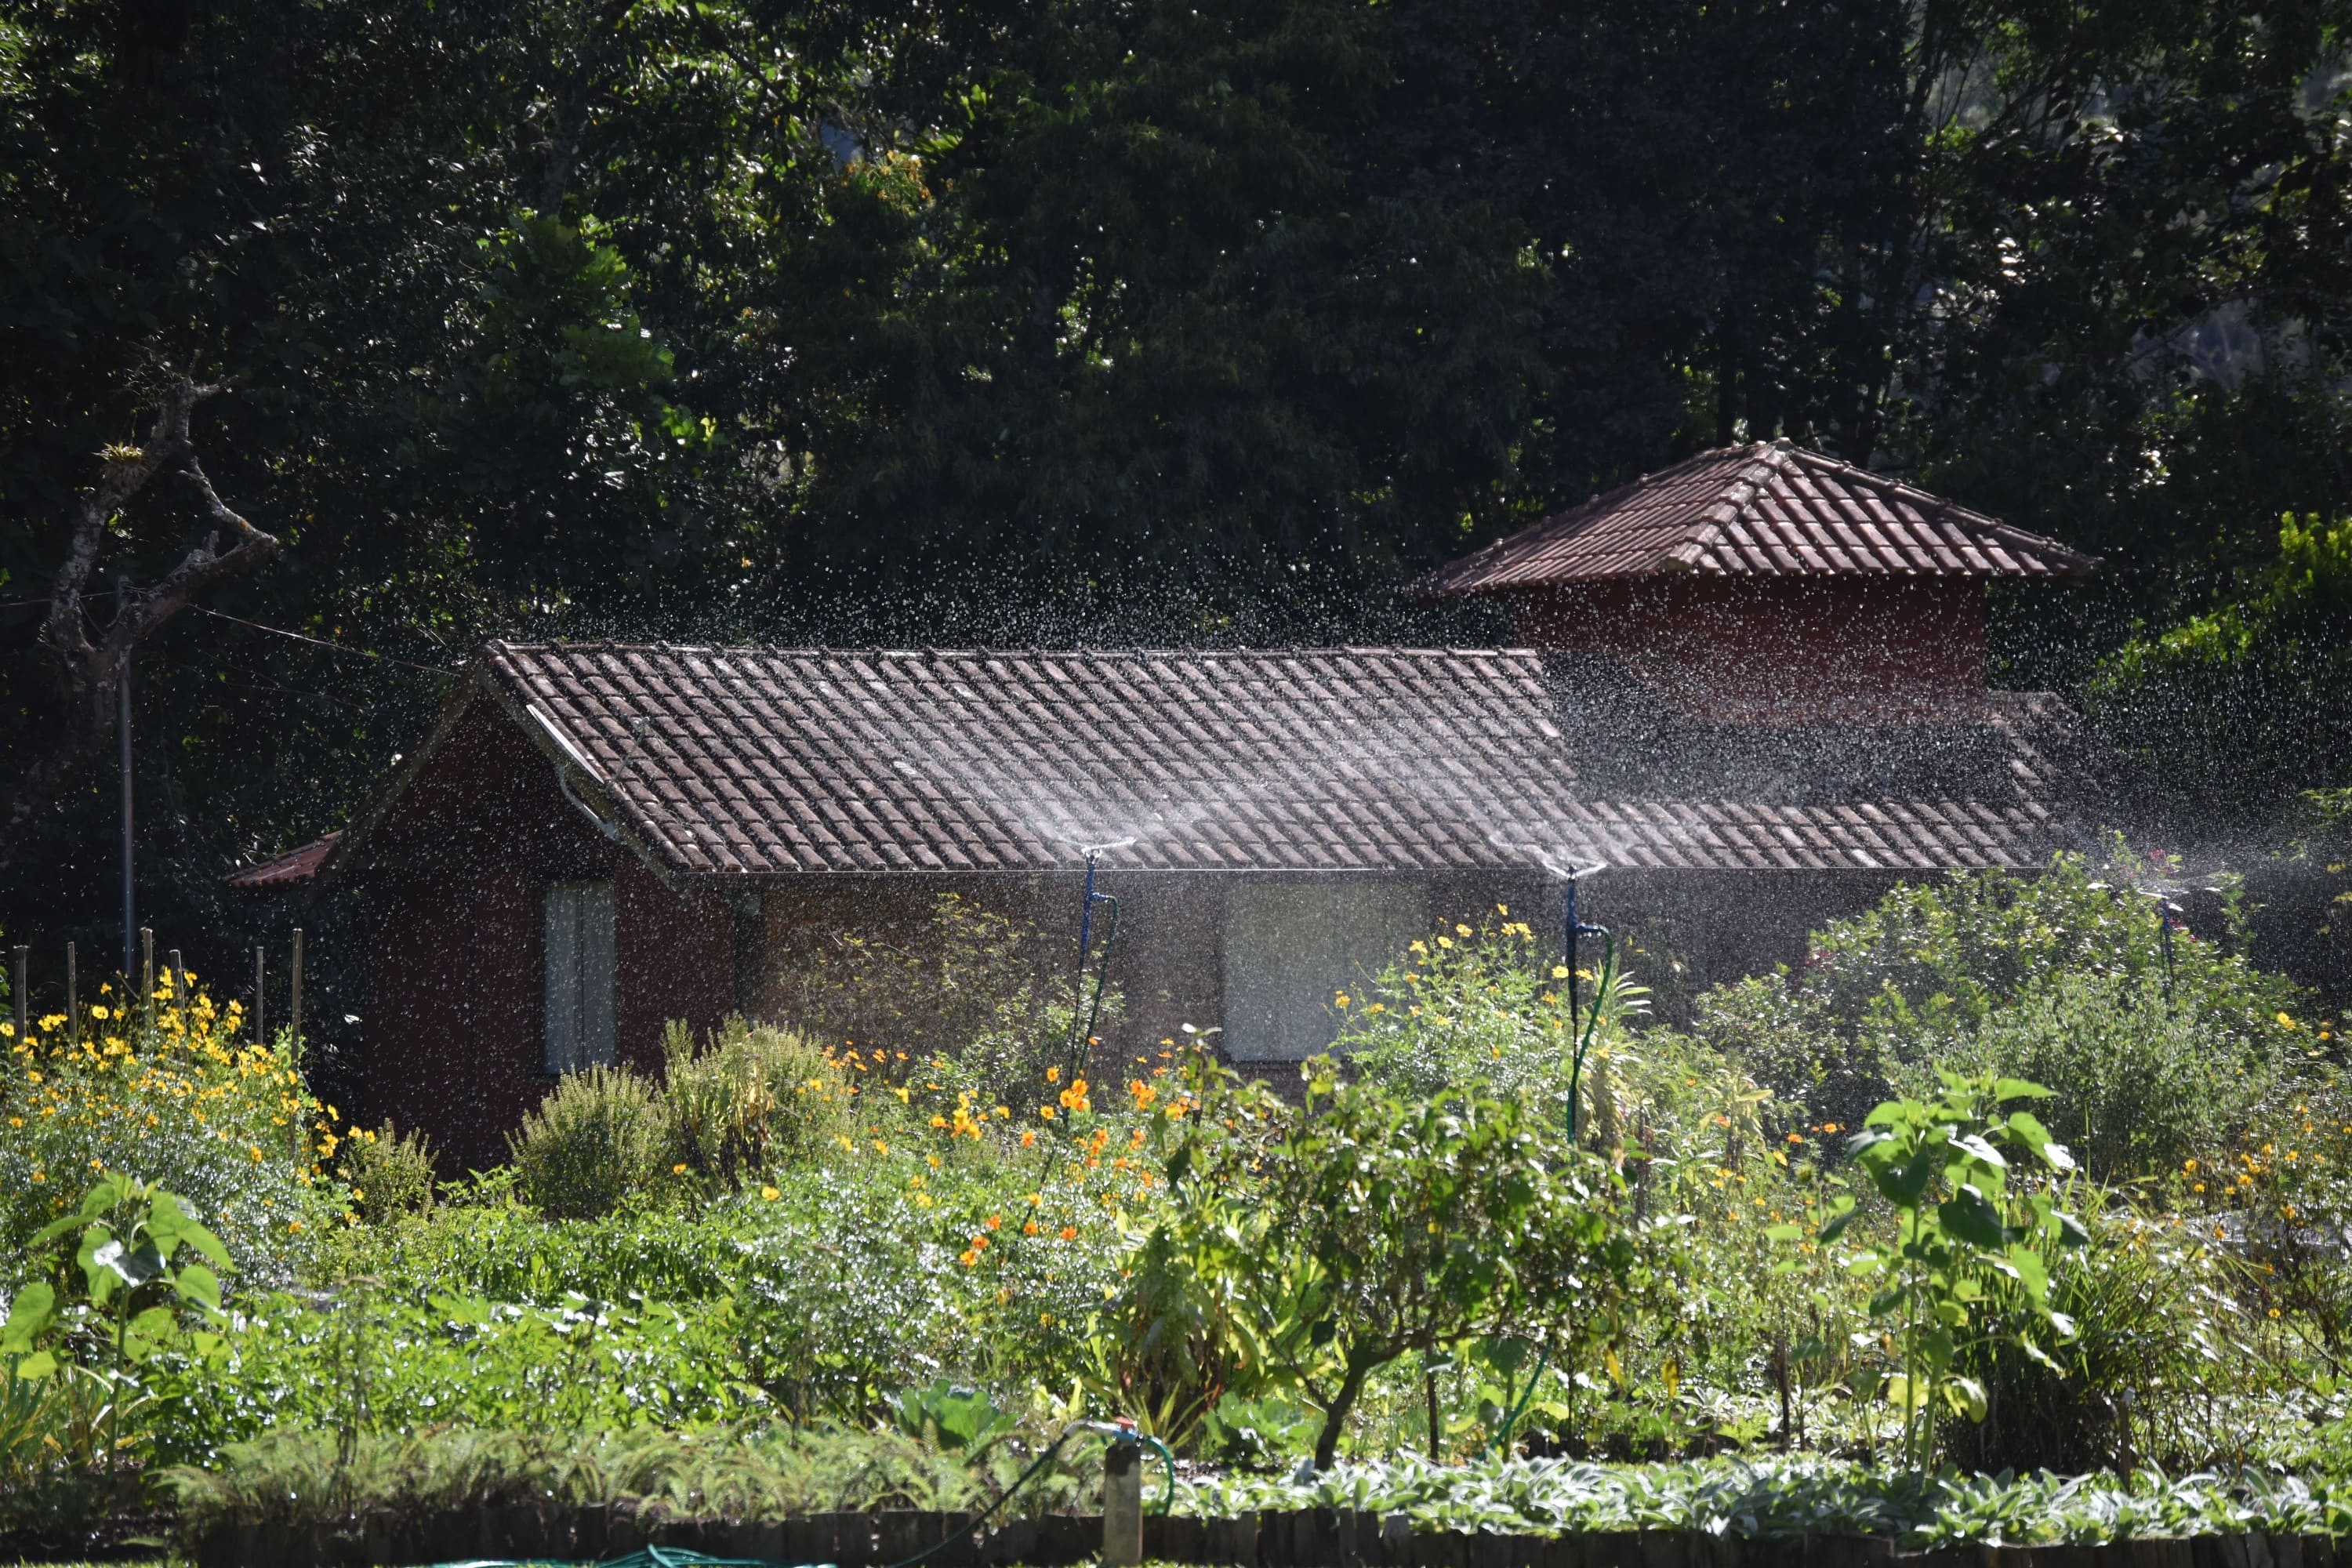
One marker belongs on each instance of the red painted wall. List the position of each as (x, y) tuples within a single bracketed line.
[(1785, 650), (454, 879)]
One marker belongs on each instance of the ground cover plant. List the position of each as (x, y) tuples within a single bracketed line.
[(1455, 1271)]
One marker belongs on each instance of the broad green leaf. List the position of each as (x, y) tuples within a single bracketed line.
[(39, 1364), (28, 1314), (199, 1284), (1975, 1144), (1971, 1217), (2020, 1089)]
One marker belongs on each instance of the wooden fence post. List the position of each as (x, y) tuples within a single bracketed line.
[(177, 978), (17, 982)]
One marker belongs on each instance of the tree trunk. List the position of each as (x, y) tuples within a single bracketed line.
[(90, 673), (1334, 1414)]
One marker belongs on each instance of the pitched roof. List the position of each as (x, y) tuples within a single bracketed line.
[(284, 870), (1770, 509), (765, 762)]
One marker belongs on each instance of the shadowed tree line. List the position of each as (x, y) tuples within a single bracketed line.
[(1138, 320)]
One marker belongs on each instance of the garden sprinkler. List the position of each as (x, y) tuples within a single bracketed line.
[(1086, 1032), (1569, 872), (2165, 910)]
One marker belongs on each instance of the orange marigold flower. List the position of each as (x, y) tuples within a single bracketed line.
[(1069, 1233)]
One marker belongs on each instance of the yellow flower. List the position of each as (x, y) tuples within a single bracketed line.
[(1028, 1138), (1559, 971), (1053, 1075), (1046, 1111), (1418, 947), (678, 1169), (2285, 1022), (1461, 930), (770, 1194), (1340, 999)]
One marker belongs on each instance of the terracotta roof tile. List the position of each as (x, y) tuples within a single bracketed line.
[(1766, 510), (776, 762)]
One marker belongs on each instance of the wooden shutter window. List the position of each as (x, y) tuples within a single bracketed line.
[(580, 973)]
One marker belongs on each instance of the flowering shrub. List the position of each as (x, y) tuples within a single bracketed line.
[(178, 1100)]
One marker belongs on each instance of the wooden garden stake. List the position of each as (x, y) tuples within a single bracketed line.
[(17, 981), (1123, 1501), (73, 997), (147, 971), (260, 973), (294, 1020), (175, 977)]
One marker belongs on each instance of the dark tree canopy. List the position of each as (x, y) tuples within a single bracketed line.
[(1140, 320)]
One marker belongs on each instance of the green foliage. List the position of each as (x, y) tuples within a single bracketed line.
[(1386, 1226), (137, 1294), (175, 1096), (1967, 1231), (388, 1172), (2156, 1369), (376, 1364), (742, 1472), (2065, 964), (2138, 1083), (754, 1098), (2240, 708), (958, 991), (595, 1139), (1786, 1499)]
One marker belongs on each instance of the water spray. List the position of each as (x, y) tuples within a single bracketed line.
[(1084, 1033)]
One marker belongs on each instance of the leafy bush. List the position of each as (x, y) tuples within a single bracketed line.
[(388, 1172), (746, 1472), (2236, 710), (1785, 1499), (753, 1098), (959, 995), (1367, 1227), (2150, 1375), (2141, 1084), (365, 1362), (594, 1139), (1936, 972), (179, 1102)]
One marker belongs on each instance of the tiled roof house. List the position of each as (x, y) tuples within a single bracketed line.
[(597, 838)]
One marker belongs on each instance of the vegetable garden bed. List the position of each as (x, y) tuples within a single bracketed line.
[(1303, 1538)]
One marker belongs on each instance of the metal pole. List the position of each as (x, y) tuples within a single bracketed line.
[(294, 1007), (1572, 933), (123, 725), (1086, 919)]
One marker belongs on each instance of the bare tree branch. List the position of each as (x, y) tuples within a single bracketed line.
[(90, 672)]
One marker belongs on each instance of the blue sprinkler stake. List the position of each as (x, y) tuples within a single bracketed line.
[(1583, 1038), (1085, 946)]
